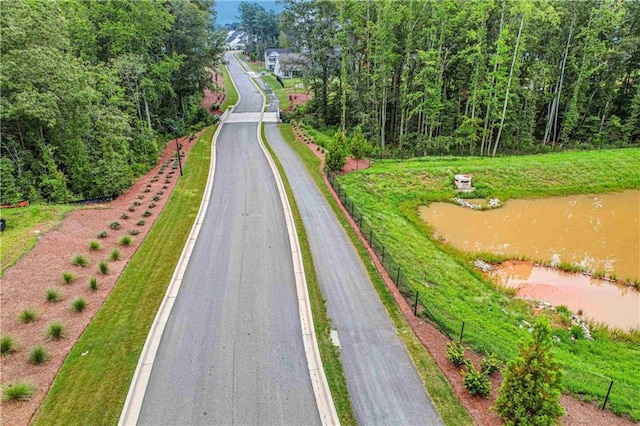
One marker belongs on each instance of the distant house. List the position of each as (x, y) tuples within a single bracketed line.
[(236, 40), (289, 65), (270, 56)]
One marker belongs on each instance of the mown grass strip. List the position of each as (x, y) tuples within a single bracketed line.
[(388, 195), (91, 389), (322, 324), (439, 389), (232, 93)]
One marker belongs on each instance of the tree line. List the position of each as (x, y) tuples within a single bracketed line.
[(88, 88), (472, 77)]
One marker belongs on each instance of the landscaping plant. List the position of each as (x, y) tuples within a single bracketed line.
[(476, 382), (455, 353), (55, 330), (27, 315), (53, 295), (19, 391), (78, 304), (38, 355), (80, 260), (7, 345)]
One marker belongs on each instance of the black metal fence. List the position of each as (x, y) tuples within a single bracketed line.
[(408, 290)]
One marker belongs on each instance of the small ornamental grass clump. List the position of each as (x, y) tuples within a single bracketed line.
[(140, 222), (7, 345), (125, 241), (68, 277), (146, 213), (115, 255), (27, 315), (18, 391), (78, 304), (55, 330), (103, 267), (38, 355), (114, 225), (80, 260), (94, 246), (152, 205), (134, 232), (124, 216), (102, 234), (53, 295), (93, 283)]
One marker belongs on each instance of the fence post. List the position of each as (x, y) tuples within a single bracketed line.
[(371, 238), (415, 305), (360, 224), (461, 332), (398, 278), (382, 254), (606, 398)]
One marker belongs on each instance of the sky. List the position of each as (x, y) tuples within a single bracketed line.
[(227, 10)]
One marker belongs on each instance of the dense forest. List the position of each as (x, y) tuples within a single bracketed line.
[(88, 88), (472, 77)]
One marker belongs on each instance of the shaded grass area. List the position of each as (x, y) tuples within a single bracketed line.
[(24, 225), (439, 389), (92, 389), (389, 194), (232, 93), (322, 323)]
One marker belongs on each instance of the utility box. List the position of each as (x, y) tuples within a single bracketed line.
[(463, 183)]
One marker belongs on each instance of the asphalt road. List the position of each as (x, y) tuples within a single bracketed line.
[(232, 350), (383, 383)]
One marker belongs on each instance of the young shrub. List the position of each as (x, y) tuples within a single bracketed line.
[(103, 268), (131, 209), (147, 190), (146, 213), (38, 355), (94, 245), (53, 295), (140, 197), (115, 255), (124, 216), (80, 260), (55, 330), (7, 345), (359, 146), (68, 277), (140, 222), (114, 225), (336, 158), (102, 234), (78, 304), (531, 387), (149, 185), (159, 193), (152, 205), (136, 203), (455, 353), (476, 382), (125, 241), (164, 187), (93, 283), (134, 232), (20, 391), (27, 315), (490, 364)]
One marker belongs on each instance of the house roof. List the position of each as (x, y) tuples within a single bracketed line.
[(279, 51), (291, 61)]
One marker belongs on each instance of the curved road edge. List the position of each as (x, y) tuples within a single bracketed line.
[(324, 400)]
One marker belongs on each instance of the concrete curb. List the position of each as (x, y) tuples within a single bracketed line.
[(135, 396), (324, 400)]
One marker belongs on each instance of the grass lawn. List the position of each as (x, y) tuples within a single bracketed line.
[(232, 93), (24, 225), (438, 387), (92, 389), (389, 193)]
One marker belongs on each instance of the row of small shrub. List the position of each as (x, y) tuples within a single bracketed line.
[(476, 382)]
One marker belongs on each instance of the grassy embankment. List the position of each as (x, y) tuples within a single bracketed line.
[(92, 389), (321, 322), (232, 93), (24, 225), (389, 193), (447, 404)]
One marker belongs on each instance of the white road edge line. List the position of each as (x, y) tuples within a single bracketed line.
[(135, 396), (324, 400)]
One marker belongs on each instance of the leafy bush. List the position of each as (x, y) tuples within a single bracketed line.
[(115, 255), (55, 330), (156, 198), (114, 225), (146, 213), (102, 234), (27, 316), (94, 246), (576, 332), (124, 216), (131, 209), (38, 354), (455, 353), (68, 277), (93, 283), (136, 203), (532, 382), (125, 241), (476, 382), (80, 260), (20, 391), (336, 158), (7, 345), (360, 148), (140, 222), (134, 232), (53, 295), (152, 205), (103, 267), (490, 364), (78, 304)]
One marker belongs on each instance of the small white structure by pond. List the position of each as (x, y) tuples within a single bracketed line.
[(463, 183)]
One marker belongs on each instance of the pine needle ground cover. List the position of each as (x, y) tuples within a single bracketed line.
[(389, 194)]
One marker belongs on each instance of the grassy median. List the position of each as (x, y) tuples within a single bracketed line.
[(92, 389)]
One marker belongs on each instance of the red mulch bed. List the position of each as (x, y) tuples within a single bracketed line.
[(211, 97), (25, 283)]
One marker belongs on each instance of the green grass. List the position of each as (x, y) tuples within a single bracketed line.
[(24, 226), (439, 389), (230, 89), (38, 355), (389, 193), (117, 333), (55, 330), (18, 391), (27, 316), (7, 345), (322, 324), (283, 92)]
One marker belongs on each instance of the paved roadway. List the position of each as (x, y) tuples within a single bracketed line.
[(232, 350), (383, 383)]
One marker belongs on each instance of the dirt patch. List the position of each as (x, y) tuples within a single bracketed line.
[(24, 284)]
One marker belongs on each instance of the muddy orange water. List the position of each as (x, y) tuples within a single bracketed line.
[(614, 304), (599, 232)]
